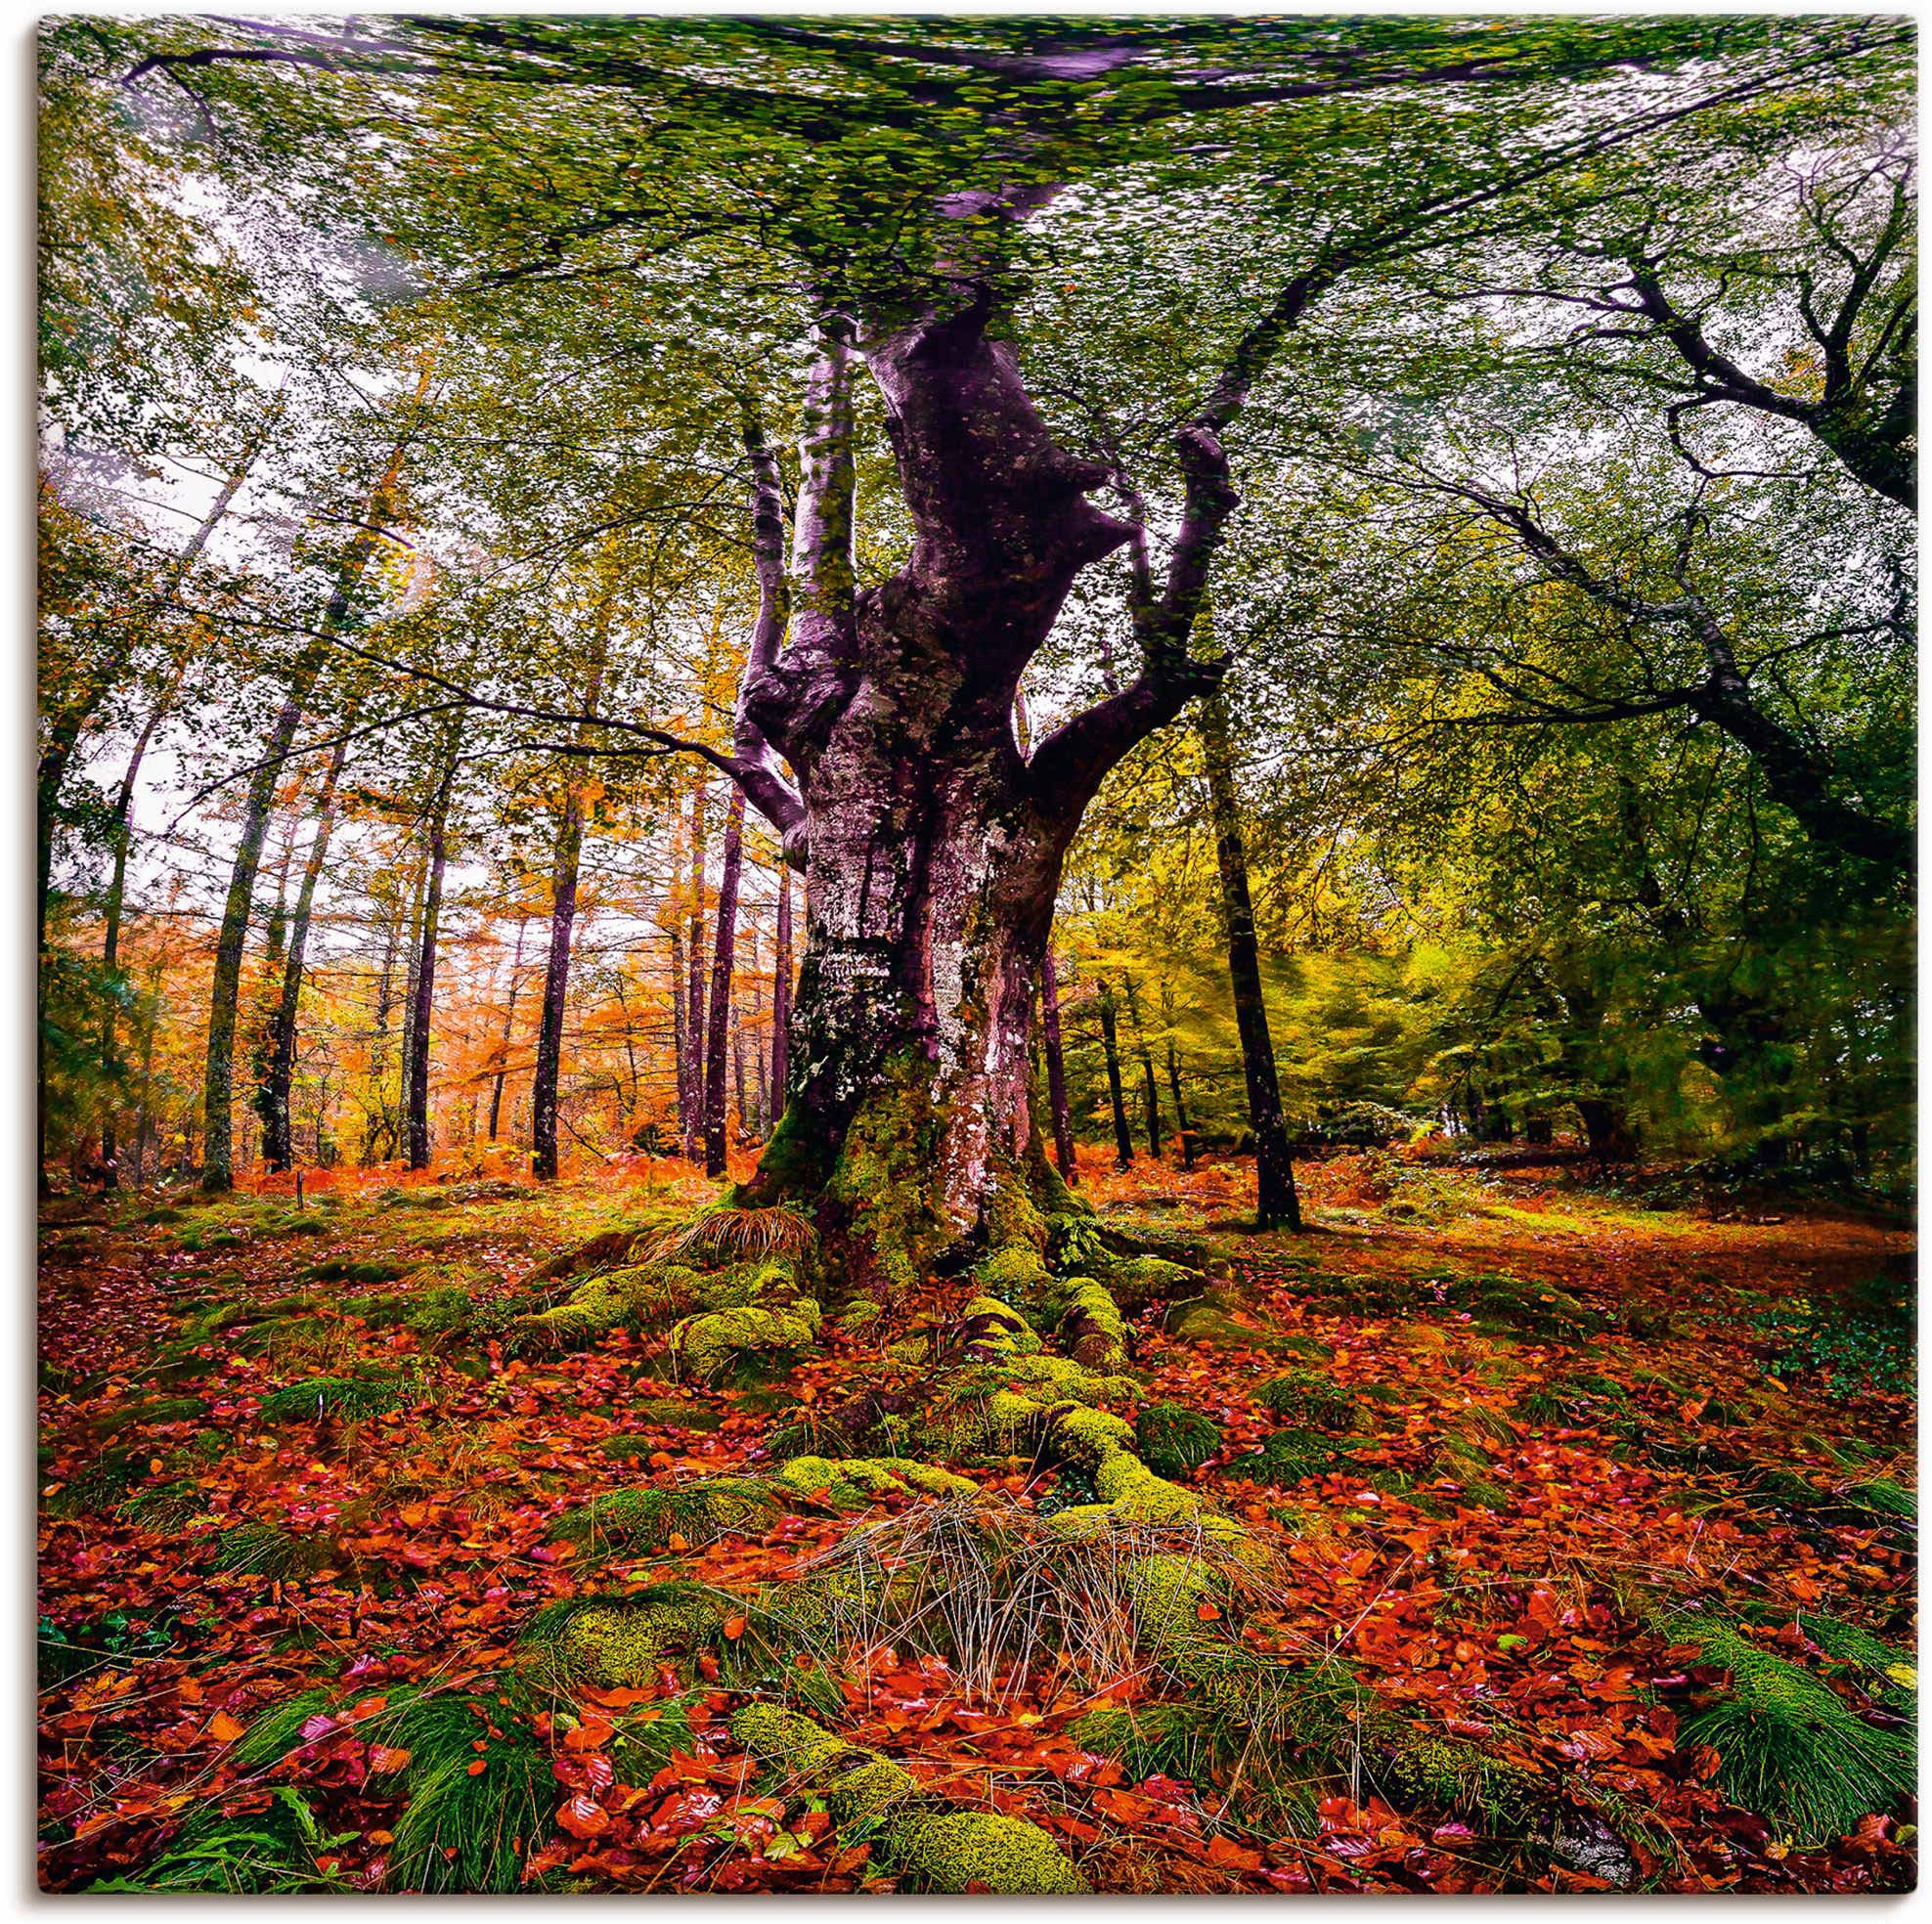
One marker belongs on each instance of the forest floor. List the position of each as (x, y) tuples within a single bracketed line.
[(1529, 1423)]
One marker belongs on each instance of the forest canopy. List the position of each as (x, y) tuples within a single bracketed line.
[(413, 393)]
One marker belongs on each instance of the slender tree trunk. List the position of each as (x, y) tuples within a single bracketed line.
[(1110, 1045), (1055, 1071), (121, 837), (219, 1167), (400, 924), (563, 916), (1150, 1095), (1276, 1202), (278, 1127), (423, 1003), (694, 1011), (721, 985), (509, 1019), (556, 987), (1183, 1127), (781, 994), (681, 1049), (411, 972)]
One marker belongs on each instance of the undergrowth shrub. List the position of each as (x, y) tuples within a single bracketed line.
[(1864, 1345), (272, 1851)]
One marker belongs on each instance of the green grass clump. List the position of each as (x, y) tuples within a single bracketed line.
[(1524, 1305), (1319, 1401), (101, 1485), (1287, 1456), (464, 1829), (156, 1410), (639, 1520), (371, 1395), (276, 1851), (1155, 1739), (165, 1507), (1885, 1667), (348, 1269), (1172, 1440), (1788, 1746), (260, 1550), (629, 1448)]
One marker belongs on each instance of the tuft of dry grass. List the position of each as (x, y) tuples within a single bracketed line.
[(722, 1234)]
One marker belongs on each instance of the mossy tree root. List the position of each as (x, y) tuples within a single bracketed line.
[(938, 1846)]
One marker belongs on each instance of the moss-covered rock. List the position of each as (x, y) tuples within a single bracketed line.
[(852, 1482), (1452, 1777), (1017, 1270), (1138, 1280), (627, 1521), (619, 1643), (704, 1345), (941, 1849), (1317, 1401), (370, 1394)]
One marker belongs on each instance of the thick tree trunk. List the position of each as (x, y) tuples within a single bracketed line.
[(422, 999), (1055, 1071), (932, 847), (721, 986), (1109, 1049), (1276, 1202)]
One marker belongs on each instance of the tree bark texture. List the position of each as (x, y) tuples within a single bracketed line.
[(718, 1040), (422, 1000)]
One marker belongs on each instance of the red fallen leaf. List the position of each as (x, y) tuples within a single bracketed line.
[(1452, 1833), (318, 1727), (1224, 1850), (225, 1729), (591, 1734), (734, 1626), (1207, 1612), (384, 1757), (477, 1769), (583, 1816)]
